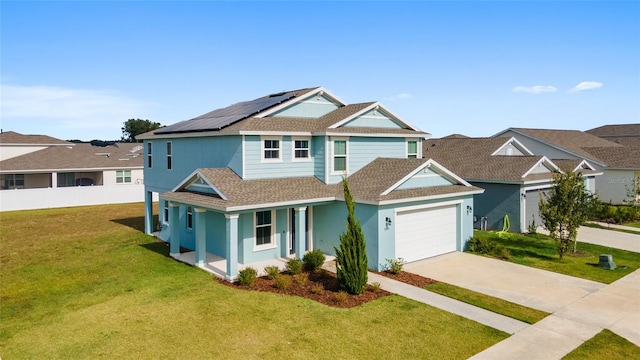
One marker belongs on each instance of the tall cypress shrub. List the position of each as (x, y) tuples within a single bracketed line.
[(351, 257)]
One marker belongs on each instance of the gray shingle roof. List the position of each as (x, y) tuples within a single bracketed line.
[(470, 158), (14, 138), (78, 156), (623, 134), (571, 140), (623, 157)]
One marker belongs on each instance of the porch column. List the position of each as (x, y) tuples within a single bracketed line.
[(201, 236), (148, 212), (174, 227), (232, 245), (301, 232), (54, 180)]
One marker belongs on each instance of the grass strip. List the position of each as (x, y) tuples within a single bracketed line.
[(605, 345), (496, 305)]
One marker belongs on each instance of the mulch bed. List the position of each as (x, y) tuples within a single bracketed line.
[(408, 278), (321, 286)]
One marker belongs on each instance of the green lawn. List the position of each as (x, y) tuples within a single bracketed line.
[(633, 224), (605, 345), (539, 251), (85, 283), (487, 302)]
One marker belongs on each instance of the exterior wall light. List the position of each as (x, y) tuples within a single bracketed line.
[(387, 222), (469, 209)]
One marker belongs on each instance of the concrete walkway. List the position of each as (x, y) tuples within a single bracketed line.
[(610, 238), (631, 228), (616, 307), (531, 287)]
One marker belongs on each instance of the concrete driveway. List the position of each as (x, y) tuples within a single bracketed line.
[(535, 288), (610, 238)]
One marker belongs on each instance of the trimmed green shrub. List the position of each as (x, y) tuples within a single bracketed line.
[(375, 287), (340, 297), (272, 271), (313, 260), (247, 276), (481, 245), (317, 289), (283, 282), (294, 266), (394, 266), (301, 279)]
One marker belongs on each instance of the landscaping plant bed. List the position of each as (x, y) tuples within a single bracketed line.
[(320, 285), (408, 278)]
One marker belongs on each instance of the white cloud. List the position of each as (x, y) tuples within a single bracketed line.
[(586, 85), (537, 89), (70, 108), (401, 96)]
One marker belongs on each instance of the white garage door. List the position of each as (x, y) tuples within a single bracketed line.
[(532, 202), (426, 232)]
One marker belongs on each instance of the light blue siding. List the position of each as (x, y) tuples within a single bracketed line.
[(422, 179), (188, 154), (246, 250), (311, 107), (216, 234), (318, 151), (377, 120), (255, 168), (361, 151), (497, 201)]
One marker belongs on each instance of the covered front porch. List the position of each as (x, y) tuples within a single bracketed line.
[(217, 265)]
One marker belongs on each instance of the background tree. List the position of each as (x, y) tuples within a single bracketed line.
[(633, 197), (351, 257), (568, 206), (135, 127)]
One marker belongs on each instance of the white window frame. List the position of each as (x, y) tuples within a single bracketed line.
[(150, 155), (333, 156), (189, 218), (169, 155), (270, 245), (122, 174), (294, 148), (417, 153), (263, 149)]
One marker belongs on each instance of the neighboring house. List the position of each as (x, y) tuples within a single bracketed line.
[(512, 177), (39, 171), (261, 179), (623, 134), (619, 164)]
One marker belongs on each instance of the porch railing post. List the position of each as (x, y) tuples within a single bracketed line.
[(232, 245)]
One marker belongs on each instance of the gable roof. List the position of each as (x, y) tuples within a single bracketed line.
[(232, 120), (77, 157), (223, 117), (586, 146), (472, 159), (376, 182), (624, 134), (14, 138)]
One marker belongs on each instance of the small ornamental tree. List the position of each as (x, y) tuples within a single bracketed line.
[(568, 206), (351, 256)]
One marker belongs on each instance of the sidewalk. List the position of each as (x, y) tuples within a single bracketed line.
[(607, 225)]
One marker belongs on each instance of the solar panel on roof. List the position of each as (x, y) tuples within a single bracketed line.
[(220, 118)]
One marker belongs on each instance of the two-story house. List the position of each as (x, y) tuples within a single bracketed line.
[(261, 179)]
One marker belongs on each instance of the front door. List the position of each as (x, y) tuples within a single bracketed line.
[(292, 230)]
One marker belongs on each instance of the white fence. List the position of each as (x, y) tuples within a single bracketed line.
[(25, 199)]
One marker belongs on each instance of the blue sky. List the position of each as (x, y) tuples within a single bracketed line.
[(78, 70)]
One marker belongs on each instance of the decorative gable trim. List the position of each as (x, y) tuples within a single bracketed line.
[(545, 162), (428, 164), (517, 144), (584, 165), (378, 106), (320, 91), (193, 178)]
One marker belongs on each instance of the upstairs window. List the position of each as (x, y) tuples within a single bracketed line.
[(149, 155), (263, 228), (271, 149), (169, 158), (340, 155), (300, 149), (412, 149), (123, 176)]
